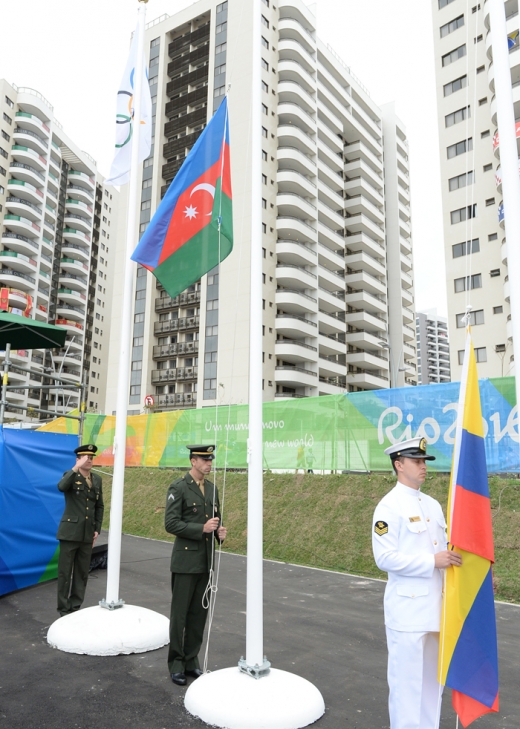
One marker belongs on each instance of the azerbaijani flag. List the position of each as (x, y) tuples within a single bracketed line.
[(192, 229), (468, 660)]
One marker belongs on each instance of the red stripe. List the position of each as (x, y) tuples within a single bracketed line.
[(468, 709), (471, 527), (226, 173), (191, 214)]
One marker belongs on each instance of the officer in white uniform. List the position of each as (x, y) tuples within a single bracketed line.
[(409, 542)]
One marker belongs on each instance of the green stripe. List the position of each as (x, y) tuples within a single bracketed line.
[(51, 571), (198, 255)]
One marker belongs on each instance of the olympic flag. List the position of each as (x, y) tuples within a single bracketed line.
[(468, 661), (126, 115)]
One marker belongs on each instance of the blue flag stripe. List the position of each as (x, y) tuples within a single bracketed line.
[(472, 472)]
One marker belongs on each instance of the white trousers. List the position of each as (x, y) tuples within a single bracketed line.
[(415, 694)]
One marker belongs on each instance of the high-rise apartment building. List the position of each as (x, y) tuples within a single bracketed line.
[(58, 234), (433, 348), (475, 251), (336, 235)]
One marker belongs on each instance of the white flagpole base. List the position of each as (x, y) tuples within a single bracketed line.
[(233, 700), (96, 631)]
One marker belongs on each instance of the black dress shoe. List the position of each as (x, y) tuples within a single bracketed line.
[(179, 679), (195, 673)]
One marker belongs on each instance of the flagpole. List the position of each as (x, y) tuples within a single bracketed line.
[(509, 166), (104, 630), (254, 694), (119, 447)]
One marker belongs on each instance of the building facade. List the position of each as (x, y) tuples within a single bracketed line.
[(474, 242), (58, 233), (433, 348), (336, 232)]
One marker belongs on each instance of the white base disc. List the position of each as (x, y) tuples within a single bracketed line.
[(97, 631), (229, 698)]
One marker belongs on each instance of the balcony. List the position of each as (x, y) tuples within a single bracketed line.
[(361, 280), (359, 223), (76, 236), (290, 181), (70, 311), (73, 251), (71, 265), (289, 113), (28, 156), (333, 180), (169, 350), (177, 374), (294, 351), (295, 206), (293, 92), (18, 262), (71, 297), (331, 218), (295, 302), (292, 50), (295, 253), (70, 280), (23, 208), (368, 360), (78, 221), (20, 244), (330, 238), (30, 139), (331, 302), (360, 204), (329, 345), (290, 228), (291, 70), (330, 280), (292, 326), (371, 303), (17, 279), (32, 122), (362, 261), (25, 190), (367, 321), (294, 376), (331, 368), (368, 380), (175, 325), (330, 324), (295, 277), (77, 205), (291, 157), (82, 180), (333, 160)]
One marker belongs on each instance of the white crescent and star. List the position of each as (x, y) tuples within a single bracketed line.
[(192, 212)]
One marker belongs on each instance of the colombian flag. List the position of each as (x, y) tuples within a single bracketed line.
[(192, 229), (468, 661)]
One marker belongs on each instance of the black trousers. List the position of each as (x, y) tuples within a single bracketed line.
[(187, 621), (73, 567)]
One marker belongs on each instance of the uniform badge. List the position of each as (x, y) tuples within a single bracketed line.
[(194, 511), (414, 518), (171, 496), (380, 528)]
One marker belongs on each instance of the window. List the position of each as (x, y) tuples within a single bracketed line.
[(138, 318), (135, 390), (498, 309), (487, 168), (478, 39), (220, 48), (465, 213), (219, 91), (265, 110), (492, 236), (2, 171), (475, 8), (146, 184), (456, 85), (490, 201), (494, 272), (264, 179), (265, 43), (464, 249), (138, 341), (468, 178), (265, 87), (9, 102), (443, 3), (137, 365), (265, 65), (466, 145), (467, 283), (266, 2), (457, 116), (264, 132), (146, 205), (7, 118), (220, 69), (480, 354), (148, 162), (475, 318), (264, 203), (5, 136), (4, 153), (265, 22), (155, 42), (264, 228), (221, 27), (454, 55), (481, 69), (482, 101), (221, 6), (264, 155), (453, 25), (2, 190)]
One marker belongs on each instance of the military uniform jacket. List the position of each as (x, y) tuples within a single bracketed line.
[(187, 510), (408, 529), (84, 507)]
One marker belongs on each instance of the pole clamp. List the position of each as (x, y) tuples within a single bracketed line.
[(111, 605), (255, 671)]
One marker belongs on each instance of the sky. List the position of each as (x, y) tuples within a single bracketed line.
[(74, 54)]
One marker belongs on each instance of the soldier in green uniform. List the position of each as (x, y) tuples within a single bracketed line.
[(193, 515), (78, 529)]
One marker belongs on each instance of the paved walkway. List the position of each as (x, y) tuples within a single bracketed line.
[(324, 626)]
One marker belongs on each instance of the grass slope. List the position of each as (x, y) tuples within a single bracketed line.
[(320, 521)]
